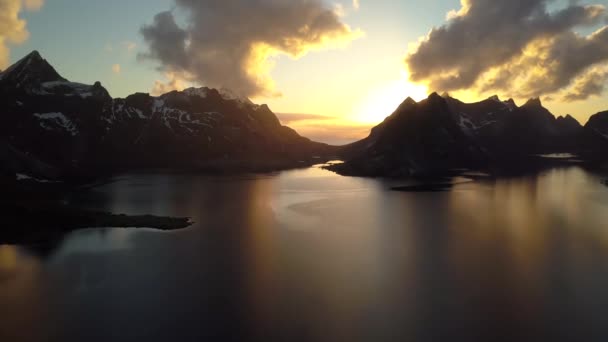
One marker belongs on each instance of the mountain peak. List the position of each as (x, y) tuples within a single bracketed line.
[(568, 123), (494, 98), (534, 102), (409, 101), (435, 98), (31, 69), (569, 117), (34, 55)]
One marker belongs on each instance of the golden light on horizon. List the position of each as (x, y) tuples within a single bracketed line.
[(383, 100)]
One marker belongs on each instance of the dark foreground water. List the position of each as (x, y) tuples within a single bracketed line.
[(311, 256)]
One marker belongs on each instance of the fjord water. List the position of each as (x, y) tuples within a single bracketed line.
[(307, 255)]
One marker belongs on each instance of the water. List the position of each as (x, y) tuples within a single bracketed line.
[(311, 256)]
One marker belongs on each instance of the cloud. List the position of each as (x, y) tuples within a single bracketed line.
[(592, 83), (33, 5), (325, 129), (174, 82), (334, 133), (129, 46), (517, 47), (339, 10), (232, 43), (290, 118), (13, 29), (125, 47), (116, 68), (356, 4)]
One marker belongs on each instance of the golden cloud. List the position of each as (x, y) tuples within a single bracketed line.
[(240, 56), (13, 29)]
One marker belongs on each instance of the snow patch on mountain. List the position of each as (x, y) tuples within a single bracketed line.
[(67, 89), (200, 92), (158, 105), (20, 177), (175, 118), (598, 132), (229, 95), (226, 94), (140, 113), (467, 125), (51, 121)]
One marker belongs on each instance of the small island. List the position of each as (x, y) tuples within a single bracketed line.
[(35, 222)]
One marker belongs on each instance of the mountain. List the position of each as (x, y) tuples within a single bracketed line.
[(441, 134), (30, 72), (417, 137), (80, 129), (595, 137)]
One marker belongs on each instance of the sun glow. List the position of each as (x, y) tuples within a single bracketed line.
[(383, 100)]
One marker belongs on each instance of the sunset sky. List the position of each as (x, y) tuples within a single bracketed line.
[(342, 66)]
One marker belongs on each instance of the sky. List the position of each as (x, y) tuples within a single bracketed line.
[(331, 69)]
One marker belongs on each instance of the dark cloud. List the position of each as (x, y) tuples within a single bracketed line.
[(229, 43), (514, 46), (166, 40)]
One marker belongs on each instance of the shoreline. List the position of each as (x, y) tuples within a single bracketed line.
[(34, 222)]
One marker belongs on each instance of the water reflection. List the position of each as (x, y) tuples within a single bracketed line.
[(27, 300), (310, 256)]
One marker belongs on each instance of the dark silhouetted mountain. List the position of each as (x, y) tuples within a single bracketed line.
[(417, 138), (570, 131), (441, 133), (30, 71), (79, 128), (199, 127), (598, 124), (596, 136)]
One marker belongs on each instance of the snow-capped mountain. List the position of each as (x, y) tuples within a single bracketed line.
[(442, 133), (75, 126)]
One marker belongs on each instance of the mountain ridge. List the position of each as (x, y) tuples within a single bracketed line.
[(80, 129), (75, 129), (441, 134)]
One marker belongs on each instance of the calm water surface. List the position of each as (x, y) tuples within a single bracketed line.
[(311, 256)]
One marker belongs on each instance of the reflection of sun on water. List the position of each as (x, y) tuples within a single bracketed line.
[(383, 100), (8, 258)]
